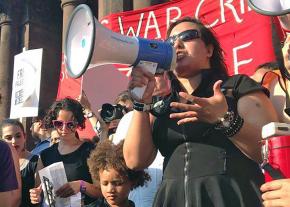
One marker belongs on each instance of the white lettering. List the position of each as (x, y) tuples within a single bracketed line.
[(235, 57), (169, 20), (104, 21), (131, 29), (197, 14), (231, 7), (242, 5), (152, 16)]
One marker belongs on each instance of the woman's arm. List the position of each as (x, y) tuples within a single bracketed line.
[(139, 150), (257, 110), (94, 118), (35, 193), (16, 194)]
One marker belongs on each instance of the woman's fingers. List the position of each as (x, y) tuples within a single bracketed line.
[(276, 193), (273, 185), (184, 107), (271, 195)]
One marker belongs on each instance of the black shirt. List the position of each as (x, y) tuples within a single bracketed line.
[(75, 163)]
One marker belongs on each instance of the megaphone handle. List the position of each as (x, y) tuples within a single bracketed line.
[(151, 67)]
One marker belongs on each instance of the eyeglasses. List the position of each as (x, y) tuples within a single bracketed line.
[(184, 36), (59, 124)]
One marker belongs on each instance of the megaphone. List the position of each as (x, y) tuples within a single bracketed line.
[(270, 7), (89, 44)]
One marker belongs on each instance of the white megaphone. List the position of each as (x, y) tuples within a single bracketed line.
[(89, 44), (273, 8), (270, 7)]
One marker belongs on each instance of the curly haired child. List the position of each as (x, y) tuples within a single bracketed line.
[(109, 171)]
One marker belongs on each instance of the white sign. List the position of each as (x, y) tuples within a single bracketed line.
[(52, 178), (26, 84)]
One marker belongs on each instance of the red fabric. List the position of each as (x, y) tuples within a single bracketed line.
[(244, 34), (70, 87)]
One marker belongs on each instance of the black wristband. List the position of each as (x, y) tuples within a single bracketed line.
[(235, 123), (142, 106)]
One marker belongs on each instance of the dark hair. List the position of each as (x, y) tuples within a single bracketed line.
[(67, 104), (217, 60), (268, 66), (123, 96), (41, 115), (108, 155), (9, 122)]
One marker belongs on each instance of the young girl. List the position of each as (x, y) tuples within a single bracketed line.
[(66, 116), (109, 171), (12, 131)]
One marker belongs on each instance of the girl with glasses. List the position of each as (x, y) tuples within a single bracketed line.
[(66, 116), (209, 134)]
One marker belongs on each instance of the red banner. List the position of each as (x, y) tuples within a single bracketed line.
[(245, 36), (69, 87)]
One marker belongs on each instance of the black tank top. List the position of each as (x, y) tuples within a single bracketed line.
[(75, 163)]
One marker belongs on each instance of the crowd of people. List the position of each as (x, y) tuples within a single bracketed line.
[(193, 139)]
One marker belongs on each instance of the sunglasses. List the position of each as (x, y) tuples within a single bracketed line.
[(59, 124), (185, 36)]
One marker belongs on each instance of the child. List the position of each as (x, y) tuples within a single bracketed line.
[(109, 171)]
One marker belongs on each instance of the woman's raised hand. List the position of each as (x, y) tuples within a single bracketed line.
[(140, 77), (208, 110)]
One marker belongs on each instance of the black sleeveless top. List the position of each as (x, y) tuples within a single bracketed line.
[(75, 163), (28, 181), (202, 167)]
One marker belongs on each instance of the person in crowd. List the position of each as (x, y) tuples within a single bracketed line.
[(66, 116), (103, 128), (209, 134), (109, 171), (124, 98), (277, 193), (143, 196), (39, 132), (10, 188), (12, 131), (54, 136), (262, 69), (278, 84)]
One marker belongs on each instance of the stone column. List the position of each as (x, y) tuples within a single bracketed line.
[(107, 7), (7, 49), (137, 4), (67, 7)]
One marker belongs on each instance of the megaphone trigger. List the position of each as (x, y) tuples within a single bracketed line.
[(151, 67)]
